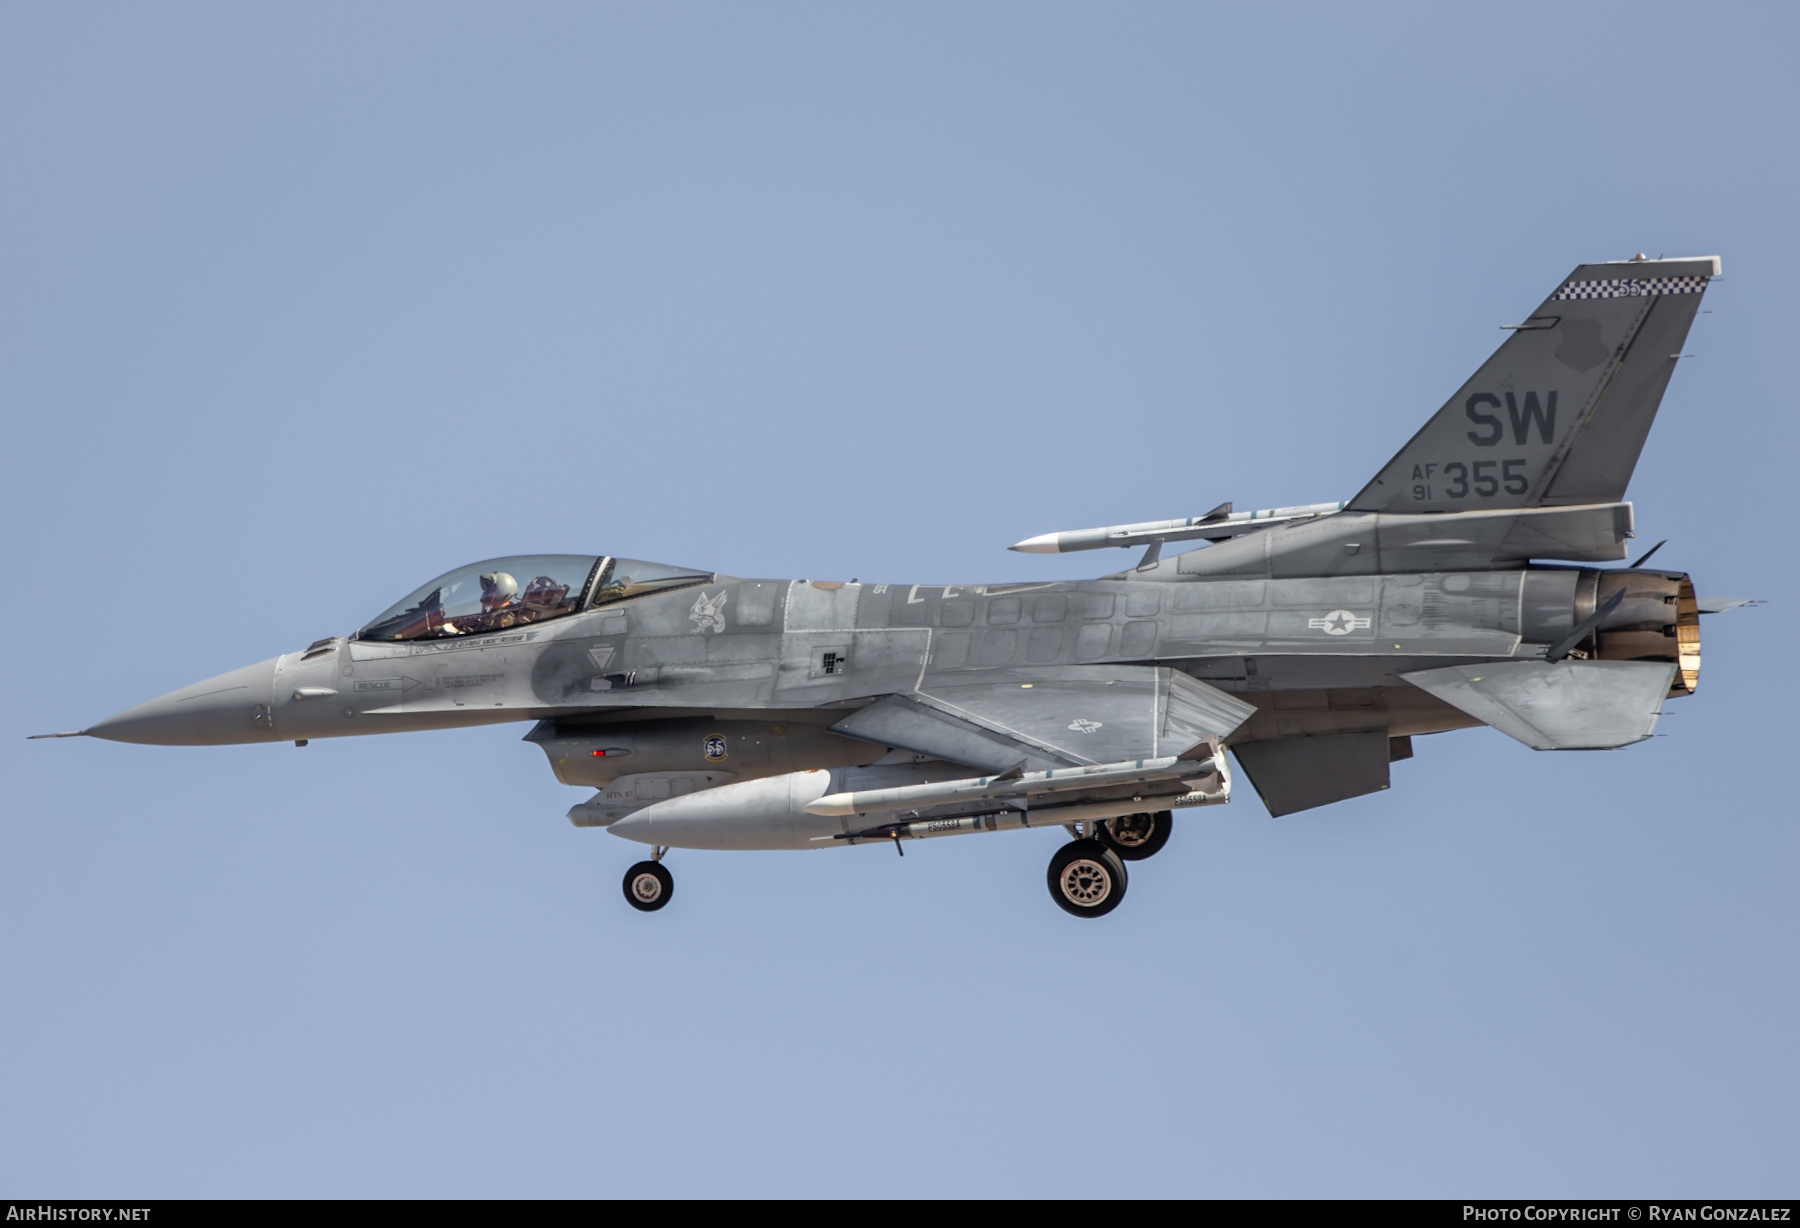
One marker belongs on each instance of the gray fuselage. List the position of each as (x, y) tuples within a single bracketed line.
[(1315, 655)]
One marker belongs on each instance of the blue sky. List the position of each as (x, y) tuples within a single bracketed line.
[(300, 306)]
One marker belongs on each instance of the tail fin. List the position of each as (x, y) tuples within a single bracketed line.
[(1560, 412)]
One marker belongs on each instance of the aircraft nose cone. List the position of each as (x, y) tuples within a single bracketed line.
[(232, 707)]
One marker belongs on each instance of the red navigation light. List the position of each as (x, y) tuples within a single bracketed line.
[(599, 754)]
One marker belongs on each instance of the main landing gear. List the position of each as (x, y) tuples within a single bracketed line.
[(648, 885), (1087, 876), (1135, 837)]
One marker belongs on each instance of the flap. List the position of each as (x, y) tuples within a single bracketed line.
[(1565, 705), (1051, 717)]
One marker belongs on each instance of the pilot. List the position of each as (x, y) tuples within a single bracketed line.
[(498, 589)]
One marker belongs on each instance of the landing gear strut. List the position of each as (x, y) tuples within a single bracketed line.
[(1135, 837), (648, 885), (1086, 878)]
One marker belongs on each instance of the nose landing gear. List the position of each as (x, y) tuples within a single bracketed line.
[(648, 885)]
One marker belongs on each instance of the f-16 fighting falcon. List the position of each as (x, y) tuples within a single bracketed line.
[(1315, 643)]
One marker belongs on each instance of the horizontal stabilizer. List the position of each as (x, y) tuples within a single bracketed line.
[(1566, 705), (1352, 543)]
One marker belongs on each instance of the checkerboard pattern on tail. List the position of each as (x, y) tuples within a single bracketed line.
[(1630, 287)]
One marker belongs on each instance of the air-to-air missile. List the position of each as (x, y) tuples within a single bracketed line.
[(1218, 525), (1313, 643)]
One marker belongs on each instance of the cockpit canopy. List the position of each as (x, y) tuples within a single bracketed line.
[(529, 588)]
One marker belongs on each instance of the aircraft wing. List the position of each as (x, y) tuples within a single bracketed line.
[(1562, 705), (1061, 716)]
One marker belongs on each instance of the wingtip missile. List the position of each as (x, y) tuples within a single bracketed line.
[(1215, 525)]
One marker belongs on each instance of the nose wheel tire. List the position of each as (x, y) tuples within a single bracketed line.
[(648, 886), (1135, 837), (1086, 878)]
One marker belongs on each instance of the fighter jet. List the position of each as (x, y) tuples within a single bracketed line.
[(1311, 643)]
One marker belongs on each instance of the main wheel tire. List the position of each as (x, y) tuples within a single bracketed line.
[(1135, 837), (648, 886), (1086, 878)]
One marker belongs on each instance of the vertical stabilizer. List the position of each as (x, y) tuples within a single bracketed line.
[(1560, 412)]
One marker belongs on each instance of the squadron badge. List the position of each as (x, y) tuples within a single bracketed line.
[(709, 612), (715, 747)]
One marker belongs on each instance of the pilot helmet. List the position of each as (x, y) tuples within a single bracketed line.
[(497, 589)]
